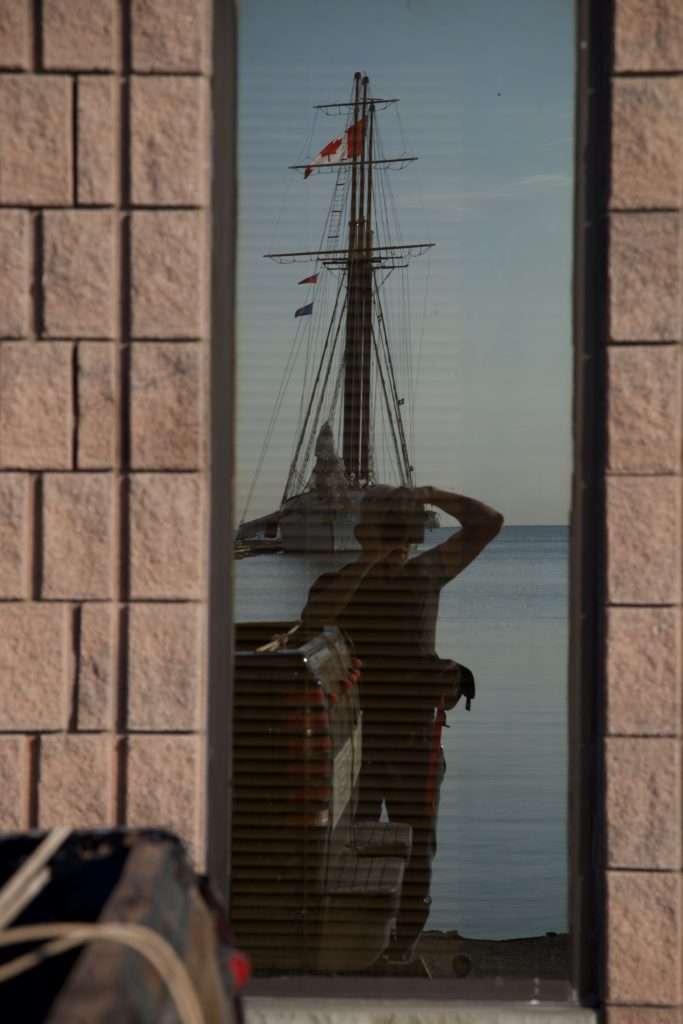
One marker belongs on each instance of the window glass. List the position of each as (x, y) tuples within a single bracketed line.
[(404, 363)]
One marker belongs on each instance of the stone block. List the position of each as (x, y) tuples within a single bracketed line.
[(80, 275), (643, 803), (80, 35), (14, 535), (645, 277), (168, 274), (170, 35), (643, 540), (647, 143), (165, 789), (15, 35), (97, 667), (643, 937), (167, 411), (642, 1015), (35, 128), (14, 273), (648, 36), (36, 419), (97, 134), (98, 425), (164, 666), (166, 519), (34, 666), (13, 780), (168, 140), (78, 536), (643, 675), (75, 786), (644, 409)]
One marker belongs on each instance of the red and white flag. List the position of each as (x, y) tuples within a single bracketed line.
[(313, 279), (344, 147)]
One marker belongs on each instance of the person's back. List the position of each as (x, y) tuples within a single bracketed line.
[(388, 604)]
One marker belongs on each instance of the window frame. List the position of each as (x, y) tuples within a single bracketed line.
[(587, 541), (585, 704)]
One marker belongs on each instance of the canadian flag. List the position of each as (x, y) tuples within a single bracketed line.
[(344, 147)]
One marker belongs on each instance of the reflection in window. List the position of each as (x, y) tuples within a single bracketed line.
[(404, 370)]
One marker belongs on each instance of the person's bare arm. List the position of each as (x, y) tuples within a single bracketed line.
[(480, 524)]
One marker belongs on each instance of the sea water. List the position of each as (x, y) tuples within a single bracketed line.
[(501, 866)]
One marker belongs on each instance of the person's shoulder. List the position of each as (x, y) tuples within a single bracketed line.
[(315, 592), (330, 576), (428, 564), (326, 578)]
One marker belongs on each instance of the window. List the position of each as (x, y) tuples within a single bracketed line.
[(491, 114)]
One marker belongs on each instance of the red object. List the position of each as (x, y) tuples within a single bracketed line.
[(435, 755), (308, 745), (306, 698), (310, 794), (323, 767), (308, 720), (239, 966), (313, 279), (351, 679)]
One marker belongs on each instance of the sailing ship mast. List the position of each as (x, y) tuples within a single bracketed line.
[(356, 358), (357, 350)]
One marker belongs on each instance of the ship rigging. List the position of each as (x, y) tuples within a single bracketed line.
[(354, 387)]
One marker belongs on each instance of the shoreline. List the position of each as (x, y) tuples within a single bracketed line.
[(445, 955)]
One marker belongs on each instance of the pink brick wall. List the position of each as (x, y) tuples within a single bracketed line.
[(104, 251), (642, 656)]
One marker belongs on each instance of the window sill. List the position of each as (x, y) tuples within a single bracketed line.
[(366, 1000)]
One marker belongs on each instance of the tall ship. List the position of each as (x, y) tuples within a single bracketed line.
[(352, 425)]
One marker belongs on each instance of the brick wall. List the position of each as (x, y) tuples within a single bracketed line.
[(104, 262), (643, 856)]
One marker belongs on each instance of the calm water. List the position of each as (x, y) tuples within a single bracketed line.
[(500, 871)]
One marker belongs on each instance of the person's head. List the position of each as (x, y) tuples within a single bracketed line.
[(392, 518)]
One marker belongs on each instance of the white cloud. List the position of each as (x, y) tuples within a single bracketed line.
[(502, 190)]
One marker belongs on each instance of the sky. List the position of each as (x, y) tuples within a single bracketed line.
[(486, 92)]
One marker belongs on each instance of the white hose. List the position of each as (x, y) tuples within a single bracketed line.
[(148, 943), (31, 877)]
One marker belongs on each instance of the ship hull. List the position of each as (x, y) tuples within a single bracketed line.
[(311, 523)]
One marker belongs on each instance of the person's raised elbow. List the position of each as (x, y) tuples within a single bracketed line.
[(496, 520), (489, 524)]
